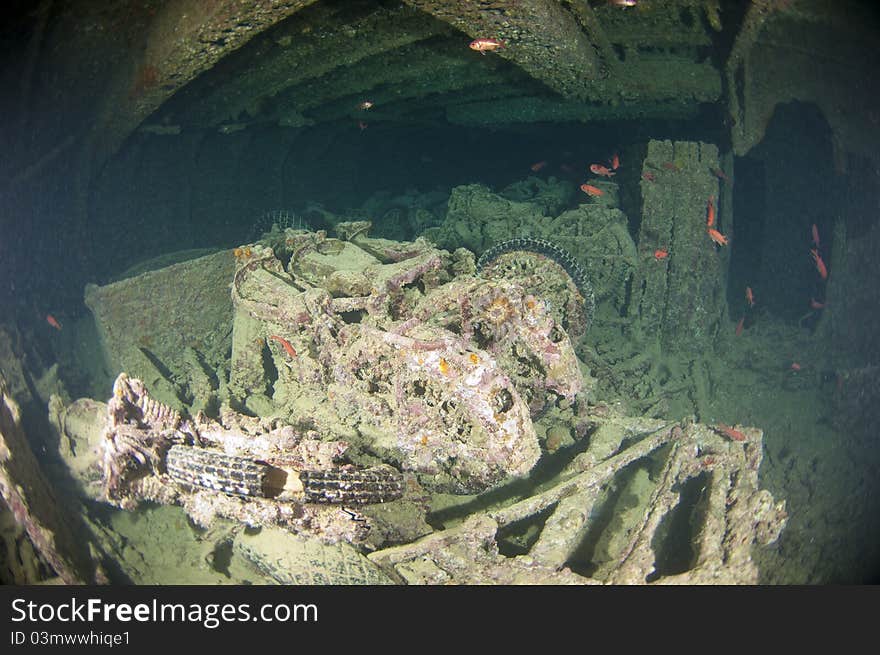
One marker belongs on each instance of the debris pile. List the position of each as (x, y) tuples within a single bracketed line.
[(384, 399)]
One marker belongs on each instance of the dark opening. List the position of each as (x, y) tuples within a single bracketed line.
[(676, 536), (784, 187)]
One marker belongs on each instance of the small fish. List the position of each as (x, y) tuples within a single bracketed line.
[(750, 297), (365, 105), (740, 325), (661, 253), (649, 177), (537, 166), (815, 231), (615, 162), (717, 237), (51, 320), (820, 265), (362, 125), (598, 169), (285, 344), (795, 366), (591, 190), (710, 212), (486, 45), (815, 304), (730, 433), (717, 172)]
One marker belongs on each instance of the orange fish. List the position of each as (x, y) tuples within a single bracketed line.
[(598, 169), (710, 212), (591, 190), (51, 320), (816, 235), (795, 366), (615, 162), (538, 166), (815, 304), (362, 126), (820, 265), (750, 297), (649, 177), (365, 105), (717, 237), (661, 253), (740, 326), (284, 344), (485, 45), (730, 433)]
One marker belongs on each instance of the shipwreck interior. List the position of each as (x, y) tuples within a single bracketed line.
[(651, 227)]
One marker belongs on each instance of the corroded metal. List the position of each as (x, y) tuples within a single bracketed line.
[(545, 248), (416, 377), (198, 467), (735, 513), (241, 476), (56, 536), (542, 37), (680, 298)]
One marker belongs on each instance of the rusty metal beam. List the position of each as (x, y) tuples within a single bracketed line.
[(184, 39), (541, 37)]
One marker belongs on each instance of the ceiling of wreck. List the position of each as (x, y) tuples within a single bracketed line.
[(414, 66), (174, 65)]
